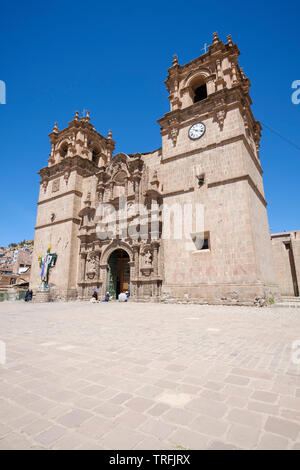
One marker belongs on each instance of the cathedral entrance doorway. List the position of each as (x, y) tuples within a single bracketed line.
[(118, 273)]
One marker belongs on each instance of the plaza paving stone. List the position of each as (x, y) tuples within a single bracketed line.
[(148, 376)]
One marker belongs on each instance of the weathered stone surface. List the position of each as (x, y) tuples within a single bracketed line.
[(217, 170)]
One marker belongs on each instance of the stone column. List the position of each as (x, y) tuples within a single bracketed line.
[(210, 86), (103, 278), (219, 68), (82, 266), (98, 253), (234, 77), (81, 272), (154, 213), (100, 195), (132, 275), (137, 190), (155, 259), (136, 260)]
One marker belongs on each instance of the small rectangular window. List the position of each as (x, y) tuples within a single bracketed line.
[(201, 240), (205, 244), (201, 180)]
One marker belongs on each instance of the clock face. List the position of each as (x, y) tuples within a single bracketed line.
[(196, 130)]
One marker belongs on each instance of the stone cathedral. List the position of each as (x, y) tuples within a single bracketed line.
[(209, 157)]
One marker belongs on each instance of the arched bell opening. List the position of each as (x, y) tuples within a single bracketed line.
[(63, 150), (200, 93), (198, 88)]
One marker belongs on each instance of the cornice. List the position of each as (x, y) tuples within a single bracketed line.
[(215, 145), (77, 125), (237, 179), (222, 49), (62, 221), (69, 164), (177, 193), (228, 97), (73, 191)]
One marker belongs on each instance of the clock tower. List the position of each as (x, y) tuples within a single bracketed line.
[(210, 158)]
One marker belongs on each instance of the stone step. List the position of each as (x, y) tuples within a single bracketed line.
[(290, 303), (41, 296), (297, 307), (290, 299)]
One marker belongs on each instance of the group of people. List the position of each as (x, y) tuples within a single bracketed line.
[(122, 297)]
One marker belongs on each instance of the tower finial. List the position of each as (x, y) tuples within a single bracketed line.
[(175, 60), (109, 134), (55, 128), (229, 39), (87, 116), (76, 118), (216, 38)]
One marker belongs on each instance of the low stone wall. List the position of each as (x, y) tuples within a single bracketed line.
[(54, 295), (244, 295), (41, 296)]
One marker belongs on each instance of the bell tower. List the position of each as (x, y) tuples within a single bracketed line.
[(78, 152), (210, 156), (209, 86)]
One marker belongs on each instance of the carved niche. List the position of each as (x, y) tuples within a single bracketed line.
[(55, 185), (120, 184), (92, 263), (147, 260), (45, 185)]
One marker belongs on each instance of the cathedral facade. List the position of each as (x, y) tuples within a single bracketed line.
[(186, 222)]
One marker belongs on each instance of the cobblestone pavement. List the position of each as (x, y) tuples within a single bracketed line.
[(149, 376)]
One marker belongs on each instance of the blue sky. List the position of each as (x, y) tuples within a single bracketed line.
[(112, 58)]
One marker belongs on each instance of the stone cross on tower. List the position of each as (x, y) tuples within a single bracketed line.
[(204, 48)]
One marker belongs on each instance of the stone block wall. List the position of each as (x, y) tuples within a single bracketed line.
[(286, 253)]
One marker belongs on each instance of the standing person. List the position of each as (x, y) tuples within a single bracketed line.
[(28, 295)]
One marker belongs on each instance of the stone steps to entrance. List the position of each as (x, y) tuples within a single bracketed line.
[(285, 301), (290, 299)]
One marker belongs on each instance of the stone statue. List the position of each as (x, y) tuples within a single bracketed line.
[(45, 264), (148, 258)]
